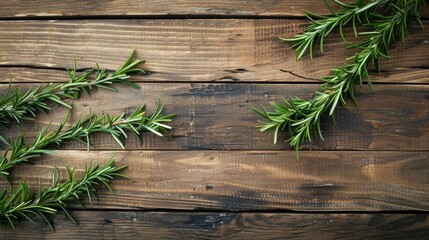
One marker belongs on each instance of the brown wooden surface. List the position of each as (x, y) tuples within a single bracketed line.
[(227, 225), (177, 8), (254, 180), (189, 50), (211, 62), (51, 8), (219, 116), (396, 74)]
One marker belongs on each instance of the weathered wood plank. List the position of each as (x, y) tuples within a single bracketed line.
[(219, 116), (189, 50), (224, 225), (268, 8), (149, 8), (253, 180), (409, 75)]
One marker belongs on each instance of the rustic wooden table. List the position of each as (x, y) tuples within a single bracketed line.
[(210, 63)]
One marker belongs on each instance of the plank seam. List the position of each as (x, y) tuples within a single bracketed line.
[(242, 150), (155, 17), (248, 211), (151, 17), (374, 82)]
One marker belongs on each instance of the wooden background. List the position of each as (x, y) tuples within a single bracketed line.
[(210, 63)]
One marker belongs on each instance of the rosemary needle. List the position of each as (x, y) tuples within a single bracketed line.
[(301, 118), (21, 151), (16, 105), (22, 203)]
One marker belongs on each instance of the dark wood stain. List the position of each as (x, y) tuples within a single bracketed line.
[(224, 225)]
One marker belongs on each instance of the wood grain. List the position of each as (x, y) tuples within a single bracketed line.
[(225, 225), (51, 8), (148, 8), (252, 180), (211, 62), (219, 116), (189, 50)]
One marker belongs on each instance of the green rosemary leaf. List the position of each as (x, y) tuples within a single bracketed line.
[(320, 26), (24, 204), (21, 151), (60, 205), (302, 118), (16, 105)]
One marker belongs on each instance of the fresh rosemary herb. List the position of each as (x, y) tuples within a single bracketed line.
[(21, 151), (301, 118), (17, 105), (320, 26), (22, 203)]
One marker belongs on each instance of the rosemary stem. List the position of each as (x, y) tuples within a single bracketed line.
[(23, 152), (302, 117), (17, 105), (23, 203)]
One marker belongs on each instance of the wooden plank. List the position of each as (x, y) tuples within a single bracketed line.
[(225, 225), (219, 116), (51, 8), (189, 50), (148, 8), (253, 180), (409, 75)]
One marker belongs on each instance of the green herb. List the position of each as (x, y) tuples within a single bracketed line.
[(22, 203), (320, 26), (301, 118), (17, 105), (20, 151)]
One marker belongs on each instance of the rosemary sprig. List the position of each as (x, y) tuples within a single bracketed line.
[(20, 151), (22, 203), (17, 105), (320, 26), (301, 118)]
